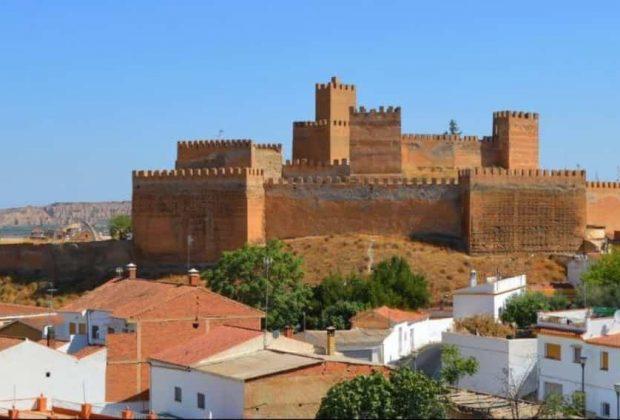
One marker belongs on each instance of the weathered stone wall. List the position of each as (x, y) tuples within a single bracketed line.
[(221, 210), (306, 168), (523, 210), (375, 145), (333, 100), (214, 154), (516, 134), (267, 157), (67, 262), (376, 206), (311, 140), (603, 200)]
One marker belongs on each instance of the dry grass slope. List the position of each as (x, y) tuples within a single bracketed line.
[(444, 268)]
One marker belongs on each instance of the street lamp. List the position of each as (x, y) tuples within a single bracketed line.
[(582, 362), (617, 389)]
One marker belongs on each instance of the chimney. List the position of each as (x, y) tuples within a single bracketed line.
[(473, 278), (41, 403), (85, 411), (131, 271), (288, 331), (331, 341), (193, 277)]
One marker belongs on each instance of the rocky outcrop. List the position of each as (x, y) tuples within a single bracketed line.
[(63, 213)]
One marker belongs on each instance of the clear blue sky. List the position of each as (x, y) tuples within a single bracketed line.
[(90, 90)]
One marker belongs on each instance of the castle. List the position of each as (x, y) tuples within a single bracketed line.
[(354, 171)]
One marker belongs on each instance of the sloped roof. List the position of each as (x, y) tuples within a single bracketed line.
[(398, 315), (8, 342), (131, 298), (199, 348), (13, 309), (361, 337), (39, 322), (610, 340)]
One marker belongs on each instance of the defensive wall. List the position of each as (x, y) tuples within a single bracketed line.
[(353, 171)]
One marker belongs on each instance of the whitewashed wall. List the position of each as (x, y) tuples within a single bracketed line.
[(224, 397)]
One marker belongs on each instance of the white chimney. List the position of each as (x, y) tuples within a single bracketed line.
[(473, 278), (131, 271)]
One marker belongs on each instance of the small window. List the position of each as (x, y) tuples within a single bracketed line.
[(178, 394), (577, 354), (72, 328), (111, 330), (200, 400), (553, 351), (95, 332), (604, 360), (605, 409), (82, 329)]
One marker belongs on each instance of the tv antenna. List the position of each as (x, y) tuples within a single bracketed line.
[(220, 134)]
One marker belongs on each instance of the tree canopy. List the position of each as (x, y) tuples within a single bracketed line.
[(454, 366), (405, 394), (120, 226), (522, 309), (260, 276), (601, 282)]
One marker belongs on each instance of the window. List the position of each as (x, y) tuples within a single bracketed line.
[(72, 328), (200, 400), (178, 395), (605, 409), (604, 360), (577, 354), (95, 332), (111, 330), (82, 329), (553, 351)]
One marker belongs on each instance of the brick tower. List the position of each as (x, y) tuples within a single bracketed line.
[(327, 137), (516, 137)]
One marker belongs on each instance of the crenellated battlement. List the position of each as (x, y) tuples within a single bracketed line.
[(362, 111), (271, 146), (443, 138), (334, 83), (201, 173), (305, 163), (532, 173), (321, 180), (201, 144), (603, 185), (515, 114), (320, 123)]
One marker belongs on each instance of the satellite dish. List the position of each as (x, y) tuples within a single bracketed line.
[(617, 316)]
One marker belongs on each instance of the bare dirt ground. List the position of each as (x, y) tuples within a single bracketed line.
[(444, 268)]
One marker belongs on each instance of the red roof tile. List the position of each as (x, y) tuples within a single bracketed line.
[(8, 342), (86, 351), (13, 309), (199, 348), (139, 298), (611, 340), (398, 315), (558, 333)]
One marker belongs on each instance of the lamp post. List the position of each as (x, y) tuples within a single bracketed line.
[(617, 389), (582, 362)]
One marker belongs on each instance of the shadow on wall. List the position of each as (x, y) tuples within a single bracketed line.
[(450, 241)]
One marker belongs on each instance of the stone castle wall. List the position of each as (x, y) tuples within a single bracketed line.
[(319, 206), (603, 204)]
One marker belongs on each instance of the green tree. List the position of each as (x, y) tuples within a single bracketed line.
[(556, 405), (339, 314), (363, 397), (256, 275), (453, 128), (601, 282), (120, 226), (454, 366), (523, 309), (392, 283), (406, 394)]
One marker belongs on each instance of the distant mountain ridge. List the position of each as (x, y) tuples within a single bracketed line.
[(63, 213)]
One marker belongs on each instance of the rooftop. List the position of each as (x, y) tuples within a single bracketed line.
[(494, 286), (8, 310), (389, 316), (610, 340), (257, 364), (344, 338), (134, 298)]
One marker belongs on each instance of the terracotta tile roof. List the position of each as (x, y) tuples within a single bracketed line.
[(13, 309), (55, 344), (86, 351), (8, 342), (200, 348), (40, 322), (398, 315), (125, 298), (611, 340), (558, 333)]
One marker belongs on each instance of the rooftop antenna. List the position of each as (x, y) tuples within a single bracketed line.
[(50, 297), (220, 134)]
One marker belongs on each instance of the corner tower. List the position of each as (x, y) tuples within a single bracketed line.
[(327, 137), (516, 136)]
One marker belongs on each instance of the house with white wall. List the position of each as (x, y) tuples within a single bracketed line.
[(29, 369), (576, 342), (507, 367), (383, 335), (486, 298)]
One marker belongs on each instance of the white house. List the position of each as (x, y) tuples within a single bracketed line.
[(507, 367), (29, 369), (569, 339), (486, 298), (383, 335)]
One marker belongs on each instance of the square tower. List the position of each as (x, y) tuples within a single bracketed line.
[(516, 137), (333, 100)]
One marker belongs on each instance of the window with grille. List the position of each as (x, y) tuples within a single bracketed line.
[(577, 354)]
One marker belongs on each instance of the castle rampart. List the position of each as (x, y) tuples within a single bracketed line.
[(353, 171)]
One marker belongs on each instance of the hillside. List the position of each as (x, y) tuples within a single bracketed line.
[(444, 268), (63, 213)]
